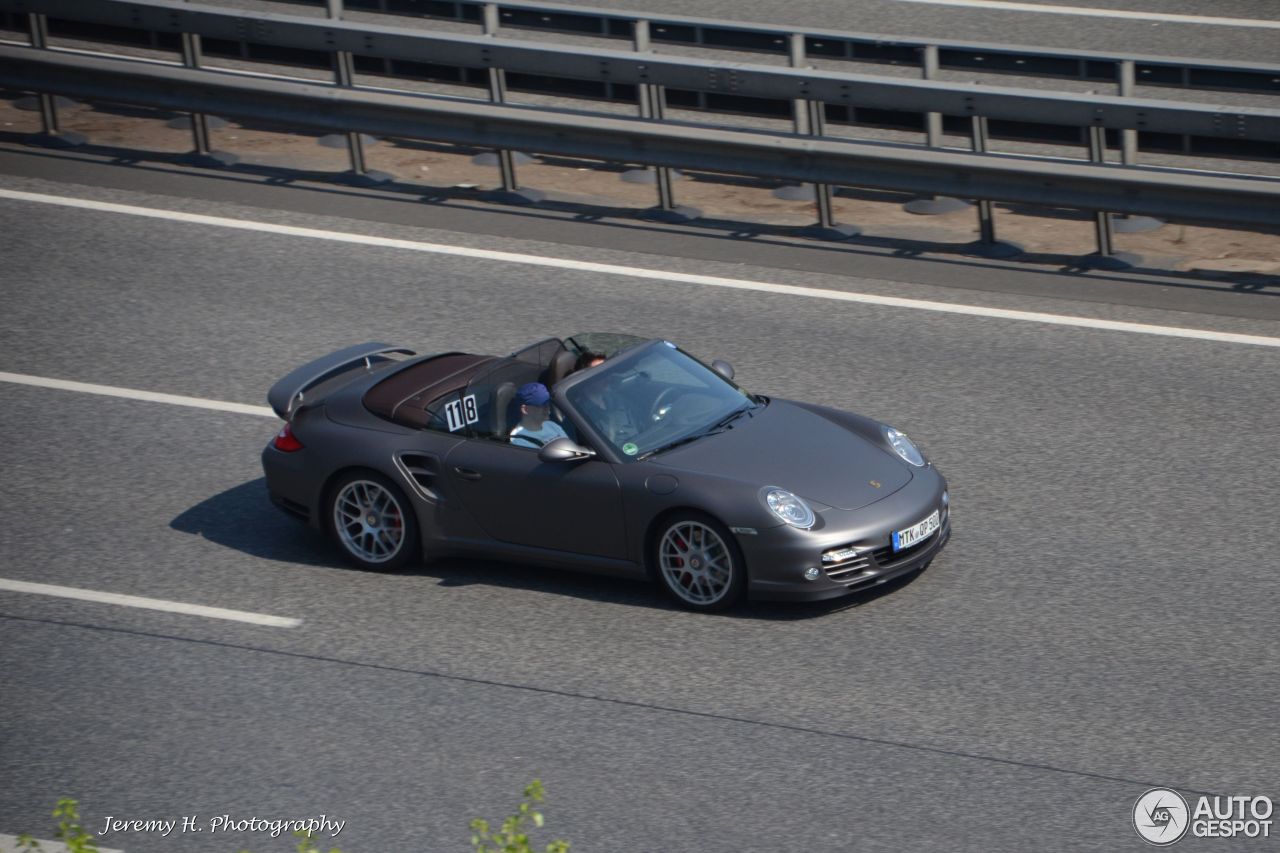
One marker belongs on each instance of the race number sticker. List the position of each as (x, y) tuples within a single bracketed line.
[(462, 412)]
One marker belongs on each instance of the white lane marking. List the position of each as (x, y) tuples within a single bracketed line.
[(149, 603), (636, 272), (133, 394), (1086, 11)]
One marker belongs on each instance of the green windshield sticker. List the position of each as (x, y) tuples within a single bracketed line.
[(630, 448)]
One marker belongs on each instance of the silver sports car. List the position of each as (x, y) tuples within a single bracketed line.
[(606, 453)]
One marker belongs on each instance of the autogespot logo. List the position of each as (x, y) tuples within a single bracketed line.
[(1160, 816)]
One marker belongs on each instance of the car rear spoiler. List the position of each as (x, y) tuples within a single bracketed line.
[(286, 394)]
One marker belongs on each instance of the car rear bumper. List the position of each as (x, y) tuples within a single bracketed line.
[(778, 558), (290, 484)]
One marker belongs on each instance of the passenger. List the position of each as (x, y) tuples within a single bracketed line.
[(588, 359), (535, 428)]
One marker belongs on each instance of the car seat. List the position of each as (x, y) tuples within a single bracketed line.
[(501, 419), (562, 364)]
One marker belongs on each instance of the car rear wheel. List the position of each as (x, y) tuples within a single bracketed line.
[(372, 522), (698, 563)]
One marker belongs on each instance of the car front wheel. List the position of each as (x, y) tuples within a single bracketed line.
[(372, 522), (698, 563)]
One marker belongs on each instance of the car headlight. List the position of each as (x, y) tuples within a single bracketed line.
[(903, 446), (789, 508)]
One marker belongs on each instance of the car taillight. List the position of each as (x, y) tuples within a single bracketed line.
[(286, 441)]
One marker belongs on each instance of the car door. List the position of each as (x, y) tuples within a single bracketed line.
[(517, 498)]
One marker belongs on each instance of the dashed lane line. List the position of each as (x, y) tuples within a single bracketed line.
[(100, 597), (135, 394)]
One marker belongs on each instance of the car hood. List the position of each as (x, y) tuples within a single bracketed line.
[(790, 447)]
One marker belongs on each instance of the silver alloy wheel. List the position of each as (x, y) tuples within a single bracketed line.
[(695, 562), (369, 521)]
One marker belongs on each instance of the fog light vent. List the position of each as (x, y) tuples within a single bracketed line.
[(846, 563)]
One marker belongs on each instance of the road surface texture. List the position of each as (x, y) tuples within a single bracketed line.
[(1102, 623)]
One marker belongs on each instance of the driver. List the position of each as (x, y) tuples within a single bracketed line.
[(603, 404), (535, 428)]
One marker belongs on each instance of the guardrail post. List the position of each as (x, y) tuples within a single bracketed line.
[(199, 124), (799, 107), (809, 118), (799, 123), (506, 159), (51, 133), (344, 75), (1127, 81), (826, 227), (987, 245), (932, 205), (498, 95), (653, 105), (1106, 257), (202, 153)]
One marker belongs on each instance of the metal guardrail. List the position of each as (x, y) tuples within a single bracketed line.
[(810, 93), (630, 68), (1037, 181), (842, 44), (71, 20)]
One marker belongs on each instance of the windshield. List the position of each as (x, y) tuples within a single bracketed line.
[(647, 401)]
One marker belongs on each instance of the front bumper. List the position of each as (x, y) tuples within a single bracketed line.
[(778, 557)]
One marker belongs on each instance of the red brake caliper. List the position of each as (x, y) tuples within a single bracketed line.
[(686, 579)]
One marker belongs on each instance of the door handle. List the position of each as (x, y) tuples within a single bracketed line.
[(467, 473)]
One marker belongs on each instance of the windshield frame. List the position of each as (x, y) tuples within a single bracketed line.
[(620, 364)]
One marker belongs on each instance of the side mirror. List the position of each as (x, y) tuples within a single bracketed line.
[(564, 450), (722, 367)]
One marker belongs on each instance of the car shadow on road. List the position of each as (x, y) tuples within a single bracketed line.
[(457, 572), (628, 592), (243, 519)]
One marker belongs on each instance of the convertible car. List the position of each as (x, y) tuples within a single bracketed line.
[(639, 460)]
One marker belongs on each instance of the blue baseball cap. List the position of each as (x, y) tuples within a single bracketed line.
[(533, 394)]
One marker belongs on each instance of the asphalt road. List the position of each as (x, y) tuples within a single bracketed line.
[(1102, 623)]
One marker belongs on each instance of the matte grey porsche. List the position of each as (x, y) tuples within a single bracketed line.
[(669, 471)]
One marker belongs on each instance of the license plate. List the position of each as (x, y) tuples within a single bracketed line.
[(909, 536)]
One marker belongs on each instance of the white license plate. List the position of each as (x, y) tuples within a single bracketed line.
[(909, 536)]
